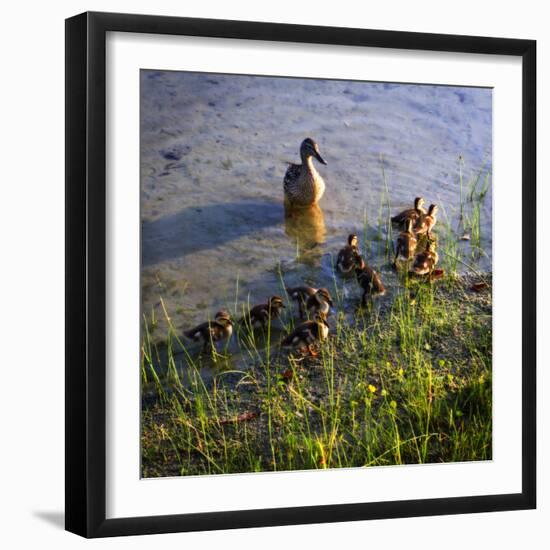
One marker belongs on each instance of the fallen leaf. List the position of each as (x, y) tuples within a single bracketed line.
[(437, 274), (287, 374), (478, 287)]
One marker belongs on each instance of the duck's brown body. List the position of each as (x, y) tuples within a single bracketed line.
[(261, 314), (307, 334), (406, 244), (413, 214), (320, 302), (303, 185), (370, 282), (300, 295), (210, 332), (425, 262), (425, 224), (348, 257)]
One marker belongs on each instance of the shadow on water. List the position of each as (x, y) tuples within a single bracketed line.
[(201, 228)]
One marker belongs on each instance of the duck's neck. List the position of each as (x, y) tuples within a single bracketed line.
[(307, 161)]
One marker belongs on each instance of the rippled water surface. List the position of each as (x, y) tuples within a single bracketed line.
[(213, 155)]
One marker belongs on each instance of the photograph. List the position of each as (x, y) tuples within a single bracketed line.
[(316, 273)]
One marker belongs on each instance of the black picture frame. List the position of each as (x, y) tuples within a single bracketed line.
[(86, 272)]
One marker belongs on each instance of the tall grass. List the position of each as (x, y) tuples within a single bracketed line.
[(408, 384)]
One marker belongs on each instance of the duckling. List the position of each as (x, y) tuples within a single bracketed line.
[(425, 224), (307, 334), (427, 260), (300, 294), (209, 332), (320, 302), (303, 185), (406, 243), (261, 314), (349, 257), (410, 213), (370, 282)]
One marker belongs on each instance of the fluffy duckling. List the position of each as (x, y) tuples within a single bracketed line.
[(209, 332), (427, 260), (411, 213), (320, 302), (425, 223), (303, 185), (370, 282), (406, 243), (349, 257), (304, 336), (261, 314), (300, 294)]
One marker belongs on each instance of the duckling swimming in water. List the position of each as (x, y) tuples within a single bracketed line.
[(370, 282), (349, 257), (261, 314), (209, 332), (307, 334), (303, 185), (410, 213), (320, 302)]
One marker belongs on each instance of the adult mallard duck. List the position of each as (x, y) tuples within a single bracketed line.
[(410, 213), (303, 185), (349, 257), (406, 243), (425, 223), (370, 282), (304, 336), (425, 261), (320, 302), (300, 295), (261, 314), (209, 332)]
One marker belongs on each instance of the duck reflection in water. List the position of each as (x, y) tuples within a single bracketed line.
[(306, 228)]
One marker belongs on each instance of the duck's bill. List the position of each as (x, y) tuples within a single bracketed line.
[(320, 158)]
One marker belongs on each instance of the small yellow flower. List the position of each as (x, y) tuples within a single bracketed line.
[(393, 404), (372, 388), (401, 372), (384, 392)]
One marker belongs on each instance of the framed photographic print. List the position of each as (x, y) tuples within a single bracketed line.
[(300, 274)]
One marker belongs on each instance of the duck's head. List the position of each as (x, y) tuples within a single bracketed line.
[(223, 315), (324, 294), (432, 211), (309, 148), (353, 240), (276, 302), (418, 203), (224, 321)]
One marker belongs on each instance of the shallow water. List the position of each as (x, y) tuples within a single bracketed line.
[(213, 155)]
